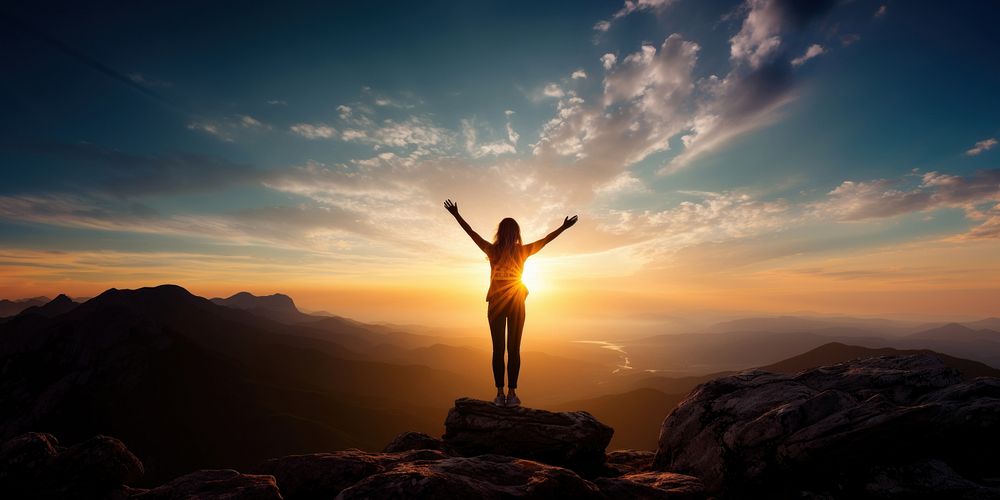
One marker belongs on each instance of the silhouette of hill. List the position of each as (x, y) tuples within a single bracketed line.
[(59, 305), (990, 323), (956, 332), (194, 384), (14, 307), (701, 353), (836, 352), (959, 340), (845, 325), (277, 307)]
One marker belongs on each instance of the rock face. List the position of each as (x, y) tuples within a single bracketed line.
[(652, 485), (485, 476), (324, 475), (34, 465), (850, 429), (412, 441), (215, 485), (575, 440)]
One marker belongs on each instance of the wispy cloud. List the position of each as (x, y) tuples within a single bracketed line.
[(98, 169), (630, 7), (981, 147), (229, 128), (813, 51)]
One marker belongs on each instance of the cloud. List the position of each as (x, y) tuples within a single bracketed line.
[(608, 60), (277, 102), (478, 150), (142, 79), (227, 129), (848, 39), (645, 101), (553, 90), (288, 227), (743, 101), (314, 131), (97, 169), (813, 51), (414, 131), (882, 10), (880, 198), (579, 74), (625, 183), (981, 146), (629, 7), (759, 38)]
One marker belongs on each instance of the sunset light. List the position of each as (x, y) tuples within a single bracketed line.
[(700, 249)]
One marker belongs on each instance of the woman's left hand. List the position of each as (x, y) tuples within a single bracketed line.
[(568, 222)]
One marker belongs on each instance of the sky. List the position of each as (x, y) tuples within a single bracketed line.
[(724, 157)]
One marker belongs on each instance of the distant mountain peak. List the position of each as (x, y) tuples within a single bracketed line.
[(59, 305), (247, 300)]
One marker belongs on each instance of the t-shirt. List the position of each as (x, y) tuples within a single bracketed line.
[(505, 275)]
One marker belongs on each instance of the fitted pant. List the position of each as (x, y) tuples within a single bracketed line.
[(506, 315)]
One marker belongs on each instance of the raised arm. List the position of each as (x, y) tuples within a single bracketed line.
[(536, 246), (480, 242)]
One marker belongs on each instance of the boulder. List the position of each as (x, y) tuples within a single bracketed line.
[(823, 430), (652, 485), (222, 484), (324, 475), (34, 465), (24, 457), (484, 476), (927, 479), (629, 461), (412, 441), (575, 440)]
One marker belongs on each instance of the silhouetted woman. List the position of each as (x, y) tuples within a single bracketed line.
[(506, 294)]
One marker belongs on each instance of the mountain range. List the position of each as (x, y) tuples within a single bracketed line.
[(196, 383)]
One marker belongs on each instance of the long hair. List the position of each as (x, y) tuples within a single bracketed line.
[(507, 240)]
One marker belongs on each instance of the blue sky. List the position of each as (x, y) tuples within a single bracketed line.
[(244, 144)]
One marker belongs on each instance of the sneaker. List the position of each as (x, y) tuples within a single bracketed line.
[(500, 400), (513, 400)]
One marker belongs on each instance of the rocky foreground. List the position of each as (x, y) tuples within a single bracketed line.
[(889, 427)]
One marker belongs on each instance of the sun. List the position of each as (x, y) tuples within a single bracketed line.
[(531, 277)]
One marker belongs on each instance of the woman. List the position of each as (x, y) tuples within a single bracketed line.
[(506, 294)]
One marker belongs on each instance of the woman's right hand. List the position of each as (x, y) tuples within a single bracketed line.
[(451, 206), (568, 222)]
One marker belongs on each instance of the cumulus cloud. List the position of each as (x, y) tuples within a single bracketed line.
[(314, 131), (608, 60), (759, 38), (553, 90), (645, 101), (981, 147), (579, 75), (882, 10), (813, 51)]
